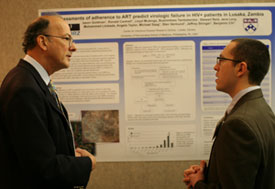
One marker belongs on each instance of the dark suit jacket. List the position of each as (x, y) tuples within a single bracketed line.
[(243, 153), (36, 144)]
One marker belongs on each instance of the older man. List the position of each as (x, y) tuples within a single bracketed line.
[(36, 139)]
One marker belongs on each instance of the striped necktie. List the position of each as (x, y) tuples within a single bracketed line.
[(52, 90)]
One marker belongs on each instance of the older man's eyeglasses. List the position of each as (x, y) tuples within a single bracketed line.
[(67, 38), (219, 59)]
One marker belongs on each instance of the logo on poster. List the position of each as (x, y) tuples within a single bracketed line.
[(75, 29), (250, 24)]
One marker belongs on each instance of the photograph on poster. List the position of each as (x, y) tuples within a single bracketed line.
[(100, 126)]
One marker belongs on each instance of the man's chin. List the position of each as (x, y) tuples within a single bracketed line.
[(66, 65), (218, 88)]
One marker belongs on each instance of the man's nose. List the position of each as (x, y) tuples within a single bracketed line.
[(72, 47)]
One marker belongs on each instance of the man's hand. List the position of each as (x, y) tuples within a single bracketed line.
[(194, 174), (77, 154), (84, 153)]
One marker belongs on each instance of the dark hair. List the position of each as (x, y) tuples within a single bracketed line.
[(36, 28), (256, 55)]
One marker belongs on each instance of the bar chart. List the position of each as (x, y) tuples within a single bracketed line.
[(147, 142), (164, 140)]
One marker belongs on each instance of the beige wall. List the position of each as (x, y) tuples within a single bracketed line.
[(15, 15)]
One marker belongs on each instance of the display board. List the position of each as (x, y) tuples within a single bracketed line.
[(141, 85)]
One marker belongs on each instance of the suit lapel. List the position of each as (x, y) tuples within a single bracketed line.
[(220, 123), (49, 97), (249, 96)]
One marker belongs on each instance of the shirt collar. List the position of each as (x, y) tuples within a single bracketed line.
[(42, 72), (237, 97)]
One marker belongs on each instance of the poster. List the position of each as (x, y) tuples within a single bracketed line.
[(141, 85)]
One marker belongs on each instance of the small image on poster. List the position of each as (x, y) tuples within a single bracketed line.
[(100, 126)]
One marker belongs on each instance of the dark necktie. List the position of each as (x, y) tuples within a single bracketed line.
[(220, 123)]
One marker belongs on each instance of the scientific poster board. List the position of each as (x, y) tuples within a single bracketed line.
[(141, 84)]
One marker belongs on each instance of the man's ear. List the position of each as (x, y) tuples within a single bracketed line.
[(42, 42), (241, 68)]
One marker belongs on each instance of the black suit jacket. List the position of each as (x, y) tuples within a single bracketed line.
[(243, 153), (35, 139)]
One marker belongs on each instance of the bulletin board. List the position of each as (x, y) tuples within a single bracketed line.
[(141, 85)]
